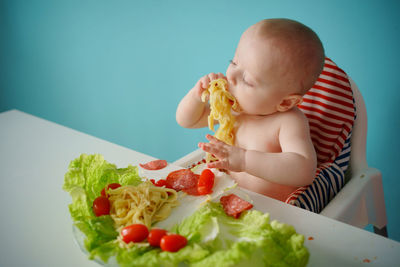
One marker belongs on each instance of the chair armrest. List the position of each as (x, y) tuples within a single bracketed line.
[(360, 201), (190, 158)]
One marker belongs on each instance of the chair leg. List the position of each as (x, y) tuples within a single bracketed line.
[(382, 231)]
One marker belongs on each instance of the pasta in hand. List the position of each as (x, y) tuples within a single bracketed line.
[(221, 103)]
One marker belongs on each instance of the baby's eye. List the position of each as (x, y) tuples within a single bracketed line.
[(232, 62), (246, 82)]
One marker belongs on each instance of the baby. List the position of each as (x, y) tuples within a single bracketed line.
[(276, 62)]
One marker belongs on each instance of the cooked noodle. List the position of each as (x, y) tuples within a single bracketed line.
[(145, 204), (221, 104)]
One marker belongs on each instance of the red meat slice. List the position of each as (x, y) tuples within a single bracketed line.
[(192, 191), (154, 165), (234, 205), (183, 179)]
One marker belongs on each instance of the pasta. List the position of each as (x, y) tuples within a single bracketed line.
[(221, 105), (144, 203)]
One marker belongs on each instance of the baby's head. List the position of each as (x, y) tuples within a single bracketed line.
[(276, 62)]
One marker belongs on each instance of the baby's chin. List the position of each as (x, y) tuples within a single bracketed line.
[(236, 113)]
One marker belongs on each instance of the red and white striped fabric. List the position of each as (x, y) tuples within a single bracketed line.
[(330, 109)]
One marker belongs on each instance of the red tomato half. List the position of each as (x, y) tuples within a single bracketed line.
[(206, 182), (173, 243), (155, 236), (101, 206), (161, 182), (110, 186), (134, 233)]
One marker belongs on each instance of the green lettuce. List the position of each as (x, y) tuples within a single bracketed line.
[(250, 239), (214, 238), (86, 177)]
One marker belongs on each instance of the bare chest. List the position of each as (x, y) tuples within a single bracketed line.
[(257, 133)]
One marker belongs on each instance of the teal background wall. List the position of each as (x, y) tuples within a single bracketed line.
[(117, 69)]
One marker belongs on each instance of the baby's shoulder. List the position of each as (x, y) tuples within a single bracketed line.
[(293, 118), (293, 114)]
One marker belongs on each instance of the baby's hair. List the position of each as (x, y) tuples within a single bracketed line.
[(299, 46)]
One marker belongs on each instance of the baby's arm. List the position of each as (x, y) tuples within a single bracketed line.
[(294, 166), (191, 111)]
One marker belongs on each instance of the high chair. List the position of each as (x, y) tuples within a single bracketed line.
[(360, 201)]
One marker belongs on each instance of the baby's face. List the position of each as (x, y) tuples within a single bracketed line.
[(255, 75)]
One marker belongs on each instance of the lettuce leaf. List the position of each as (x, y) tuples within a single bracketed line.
[(214, 238), (250, 239), (87, 175)]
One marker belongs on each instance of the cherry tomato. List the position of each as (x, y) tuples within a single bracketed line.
[(173, 243), (161, 182), (110, 186), (206, 182), (101, 206), (155, 236), (134, 233)]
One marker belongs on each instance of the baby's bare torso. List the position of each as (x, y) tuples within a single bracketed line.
[(261, 133)]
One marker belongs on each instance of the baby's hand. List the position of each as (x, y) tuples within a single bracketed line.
[(229, 157), (204, 82)]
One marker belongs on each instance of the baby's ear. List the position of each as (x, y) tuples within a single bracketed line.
[(289, 102)]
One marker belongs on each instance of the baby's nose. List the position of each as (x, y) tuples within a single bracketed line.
[(231, 88), (231, 81), (231, 85)]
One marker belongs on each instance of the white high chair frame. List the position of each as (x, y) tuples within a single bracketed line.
[(361, 201)]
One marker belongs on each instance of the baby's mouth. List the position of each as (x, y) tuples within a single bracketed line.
[(233, 101), (235, 106)]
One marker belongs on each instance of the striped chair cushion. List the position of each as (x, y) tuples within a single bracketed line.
[(329, 107)]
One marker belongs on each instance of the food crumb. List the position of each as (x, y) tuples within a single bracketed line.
[(366, 260), (311, 238), (362, 175)]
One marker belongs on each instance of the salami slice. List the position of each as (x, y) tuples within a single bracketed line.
[(183, 179), (194, 191), (234, 205), (154, 165)]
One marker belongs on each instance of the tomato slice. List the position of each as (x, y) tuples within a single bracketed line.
[(161, 182), (155, 236), (134, 233), (101, 206), (110, 186), (173, 242), (206, 182)]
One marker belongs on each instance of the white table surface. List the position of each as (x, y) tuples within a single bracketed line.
[(36, 228)]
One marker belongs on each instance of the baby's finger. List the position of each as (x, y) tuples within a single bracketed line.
[(214, 140), (205, 82), (220, 75), (212, 76), (217, 151), (219, 164), (206, 147)]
